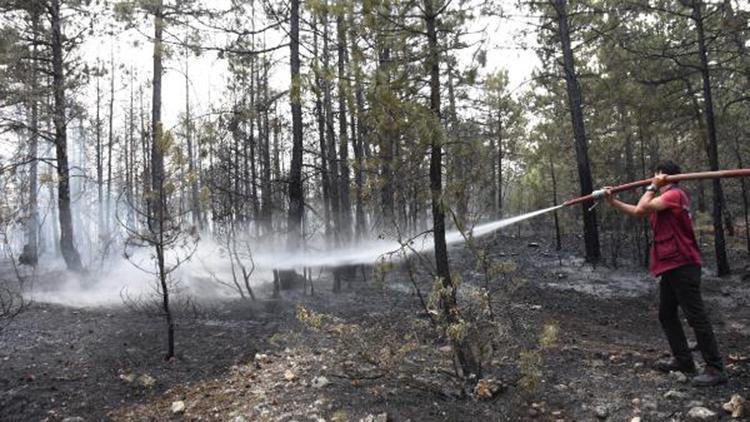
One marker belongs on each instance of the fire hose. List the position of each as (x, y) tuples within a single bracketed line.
[(599, 194)]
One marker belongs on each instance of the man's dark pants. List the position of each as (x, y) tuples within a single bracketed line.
[(682, 287)]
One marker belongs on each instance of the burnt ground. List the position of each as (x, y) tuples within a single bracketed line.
[(565, 341)]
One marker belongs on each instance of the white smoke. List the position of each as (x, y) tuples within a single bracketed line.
[(208, 272)]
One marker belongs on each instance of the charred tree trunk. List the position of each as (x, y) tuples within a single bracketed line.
[(296, 194), (500, 157), (590, 229), (558, 239), (386, 145), (193, 176), (722, 263), (360, 222), (99, 160), (321, 120), (130, 157), (32, 227), (111, 141), (265, 177), (330, 134), (67, 242), (346, 206), (157, 195), (470, 365)]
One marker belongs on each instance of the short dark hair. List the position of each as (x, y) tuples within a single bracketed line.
[(668, 167)]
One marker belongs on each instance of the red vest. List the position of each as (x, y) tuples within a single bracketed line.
[(674, 242)]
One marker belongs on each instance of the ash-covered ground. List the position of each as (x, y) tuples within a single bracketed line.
[(567, 342)]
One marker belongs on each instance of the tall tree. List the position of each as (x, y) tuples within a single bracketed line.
[(67, 241), (343, 95), (590, 228), (722, 262), (468, 361), (296, 193)]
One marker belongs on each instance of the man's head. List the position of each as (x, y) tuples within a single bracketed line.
[(667, 167)]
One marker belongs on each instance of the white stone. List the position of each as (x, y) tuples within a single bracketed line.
[(178, 407), (735, 406), (701, 414), (678, 376), (674, 394), (320, 382)]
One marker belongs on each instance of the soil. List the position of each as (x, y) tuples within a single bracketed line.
[(565, 341)]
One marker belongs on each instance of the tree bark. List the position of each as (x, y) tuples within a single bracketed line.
[(265, 177), (360, 222), (500, 156), (67, 242), (296, 199), (590, 229), (558, 238), (157, 194), (110, 143), (346, 214), (194, 177), (330, 133), (32, 228), (321, 121), (722, 263), (464, 354)]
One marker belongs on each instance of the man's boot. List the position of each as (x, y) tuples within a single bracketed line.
[(711, 376), (673, 365)]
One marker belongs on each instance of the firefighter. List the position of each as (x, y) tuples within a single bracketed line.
[(676, 259)]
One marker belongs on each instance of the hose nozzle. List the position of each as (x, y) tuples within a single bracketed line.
[(597, 196)]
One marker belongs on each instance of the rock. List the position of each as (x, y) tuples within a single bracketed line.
[(561, 387), (289, 375), (320, 382), (382, 417), (262, 358), (446, 349), (239, 418), (487, 388), (128, 378), (735, 406), (701, 414), (636, 419), (146, 380), (178, 407), (674, 394), (601, 412), (73, 419), (678, 376)]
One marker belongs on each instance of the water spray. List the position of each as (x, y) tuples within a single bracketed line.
[(371, 252)]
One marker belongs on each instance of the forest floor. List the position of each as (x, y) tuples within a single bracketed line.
[(568, 342)]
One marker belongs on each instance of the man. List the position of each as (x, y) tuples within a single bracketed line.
[(675, 257)]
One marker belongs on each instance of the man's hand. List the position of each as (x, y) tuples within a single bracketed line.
[(608, 195), (659, 180)]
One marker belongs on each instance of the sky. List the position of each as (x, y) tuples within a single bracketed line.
[(208, 73)]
